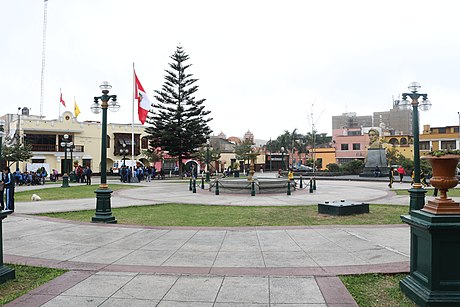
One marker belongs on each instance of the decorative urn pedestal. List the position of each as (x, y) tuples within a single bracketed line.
[(434, 278)]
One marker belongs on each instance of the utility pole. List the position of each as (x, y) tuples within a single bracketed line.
[(42, 82)]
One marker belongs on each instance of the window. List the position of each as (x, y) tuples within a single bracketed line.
[(447, 145), (38, 160), (403, 141), (145, 142), (319, 163), (351, 133), (108, 141), (424, 145), (344, 146), (442, 130), (356, 146)]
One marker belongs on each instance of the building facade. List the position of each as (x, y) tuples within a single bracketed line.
[(439, 138), (45, 136)]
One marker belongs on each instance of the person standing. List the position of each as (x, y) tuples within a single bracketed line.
[(390, 175), (401, 173), (89, 172), (9, 189), (2, 186)]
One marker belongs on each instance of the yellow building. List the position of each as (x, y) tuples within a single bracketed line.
[(404, 144), (45, 137), (438, 138), (324, 156)]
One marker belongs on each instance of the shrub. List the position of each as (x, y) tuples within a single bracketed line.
[(333, 167)]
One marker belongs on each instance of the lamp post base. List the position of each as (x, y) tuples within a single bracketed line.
[(434, 266), (103, 207), (65, 181), (6, 274), (417, 197)]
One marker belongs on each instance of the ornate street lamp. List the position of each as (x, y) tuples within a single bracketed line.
[(282, 157), (124, 151), (417, 193), (208, 178), (103, 193), (66, 144)]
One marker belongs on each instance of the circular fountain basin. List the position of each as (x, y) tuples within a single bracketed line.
[(261, 185)]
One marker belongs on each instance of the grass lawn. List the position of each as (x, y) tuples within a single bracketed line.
[(27, 278), (233, 216), (451, 193), (74, 191), (379, 290)]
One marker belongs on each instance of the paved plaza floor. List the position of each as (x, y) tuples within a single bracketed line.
[(126, 265)]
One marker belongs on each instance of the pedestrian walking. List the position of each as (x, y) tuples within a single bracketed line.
[(89, 173), (392, 179), (9, 189), (401, 173), (2, 186)]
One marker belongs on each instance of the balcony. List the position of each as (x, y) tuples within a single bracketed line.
[(55, 148)]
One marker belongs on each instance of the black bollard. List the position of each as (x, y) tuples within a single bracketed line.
[(202, 182), (314, 184), (253, 188), (217, 187), (194, 186), (301, 183), (289, 187), (190, 185), (311, 186)]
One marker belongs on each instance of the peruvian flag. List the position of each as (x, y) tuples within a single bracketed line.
[(143, 101), (62, 100)]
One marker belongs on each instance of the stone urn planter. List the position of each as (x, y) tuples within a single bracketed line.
[(444, 178)]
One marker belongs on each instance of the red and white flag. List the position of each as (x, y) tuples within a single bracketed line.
[(143, 101), (62, 100)]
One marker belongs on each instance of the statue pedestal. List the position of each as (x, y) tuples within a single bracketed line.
[(375, 157)]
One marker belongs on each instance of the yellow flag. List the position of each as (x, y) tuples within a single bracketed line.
[(76, 109)]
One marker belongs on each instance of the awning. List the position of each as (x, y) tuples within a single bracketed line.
[(126, 141)]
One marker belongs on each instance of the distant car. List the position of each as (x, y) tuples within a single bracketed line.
[(302, 168)]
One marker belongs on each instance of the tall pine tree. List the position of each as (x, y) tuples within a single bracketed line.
[(179, 121)]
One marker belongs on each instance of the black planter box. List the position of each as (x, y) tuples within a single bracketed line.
[(342, 207)]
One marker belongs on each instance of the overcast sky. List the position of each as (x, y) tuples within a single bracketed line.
[(266, 66)]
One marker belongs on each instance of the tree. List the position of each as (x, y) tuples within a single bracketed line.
[(207, 155), (17, 153), (179, 123), (243, 150), (153, 155)]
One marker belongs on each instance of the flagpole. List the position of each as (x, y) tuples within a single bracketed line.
[(59, 110), (132, 122)]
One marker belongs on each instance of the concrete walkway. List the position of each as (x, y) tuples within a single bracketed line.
[(125, 265)]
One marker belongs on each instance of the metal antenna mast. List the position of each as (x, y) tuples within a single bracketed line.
[(42, 83)]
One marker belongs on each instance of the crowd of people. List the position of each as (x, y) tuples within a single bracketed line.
[(30, 177), (140, 173)]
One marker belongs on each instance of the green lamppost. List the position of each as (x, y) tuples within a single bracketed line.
[(208, 178), (282, 158), (103, 192), (66, 144), (434, 238), (417, 193), (124, 151)]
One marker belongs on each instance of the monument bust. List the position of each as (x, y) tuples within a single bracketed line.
[(374, 138)]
